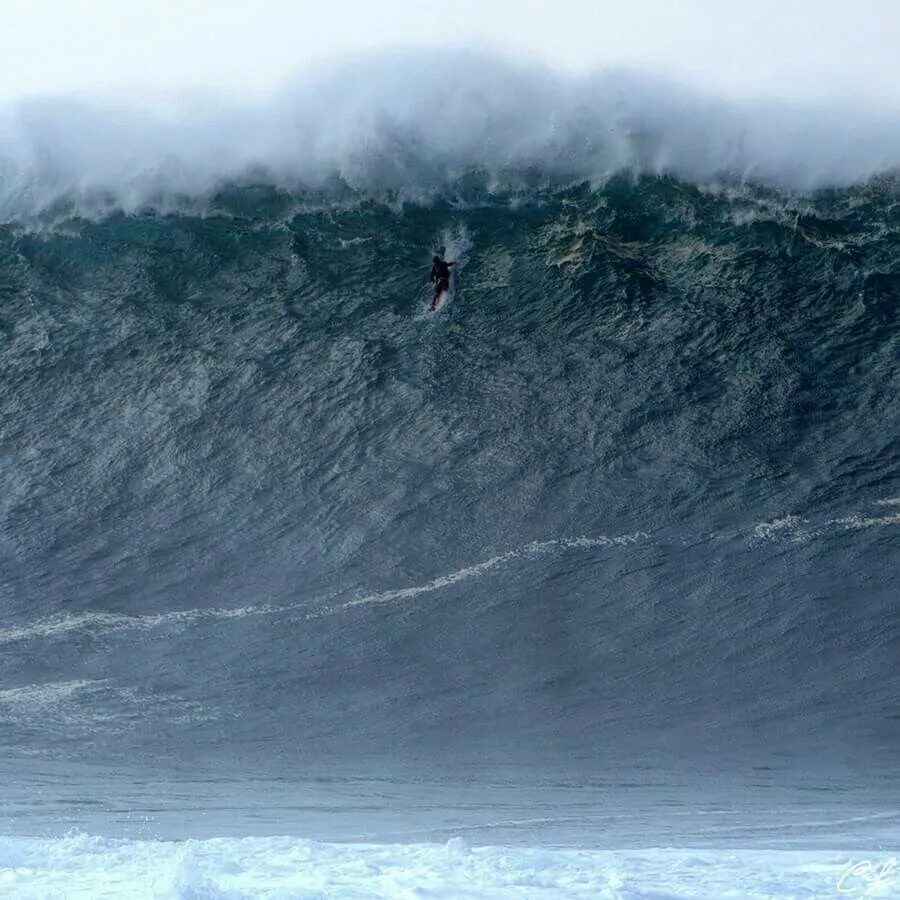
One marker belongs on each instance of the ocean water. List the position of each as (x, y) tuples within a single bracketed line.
[(585, 586)]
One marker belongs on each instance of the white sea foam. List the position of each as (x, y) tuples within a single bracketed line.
[(535, 548), (400, 122), (799, 530), (785, 527), (856, 522), (82, 866), (63, 626), (100, 623), (41, 696), (791, 528)]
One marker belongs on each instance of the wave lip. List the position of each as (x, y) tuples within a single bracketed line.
[(413, 124)]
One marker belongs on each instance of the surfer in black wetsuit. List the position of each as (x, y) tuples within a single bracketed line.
[(440, 277)]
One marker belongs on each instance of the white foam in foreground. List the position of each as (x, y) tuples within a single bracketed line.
[(81, 866)]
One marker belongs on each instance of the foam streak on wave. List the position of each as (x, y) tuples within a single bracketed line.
[(791, 527), (99, 622), (536, 548), (798, 529)]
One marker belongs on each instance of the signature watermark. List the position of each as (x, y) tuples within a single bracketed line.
[(865, 874)]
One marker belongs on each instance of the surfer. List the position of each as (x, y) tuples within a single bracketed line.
[(440, 277)]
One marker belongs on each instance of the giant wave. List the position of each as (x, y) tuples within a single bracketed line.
[(603, 555)]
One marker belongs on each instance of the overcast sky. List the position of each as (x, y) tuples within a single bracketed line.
[(848, 49)]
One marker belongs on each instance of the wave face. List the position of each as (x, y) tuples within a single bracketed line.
[(633, 493), (416, 125)]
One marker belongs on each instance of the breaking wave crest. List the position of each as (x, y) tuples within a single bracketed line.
[(417, 127)]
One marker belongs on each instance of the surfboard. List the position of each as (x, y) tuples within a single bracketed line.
[(441, 300)]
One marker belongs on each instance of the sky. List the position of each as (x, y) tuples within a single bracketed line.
[(790, 49)]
